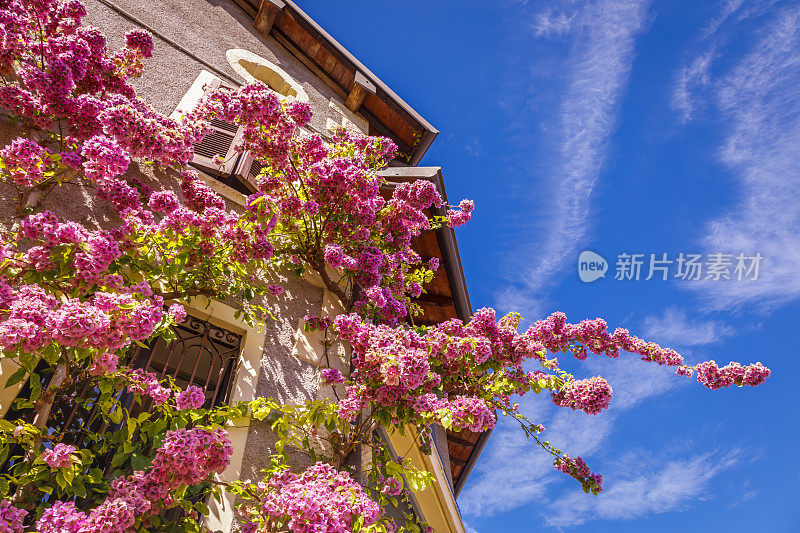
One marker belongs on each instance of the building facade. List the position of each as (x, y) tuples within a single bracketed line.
[(202, 45)]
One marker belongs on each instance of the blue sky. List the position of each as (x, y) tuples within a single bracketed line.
[(621, 126)]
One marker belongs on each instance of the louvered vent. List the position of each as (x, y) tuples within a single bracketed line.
[(255, 170), (224, 125), (215, 143)]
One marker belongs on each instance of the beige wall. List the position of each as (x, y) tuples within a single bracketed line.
[(279, 360), (208, 29)]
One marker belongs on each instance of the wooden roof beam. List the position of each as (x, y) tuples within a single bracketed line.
[(436, 299), (267, 13), (361, 87), (458, 461), (461, 442)]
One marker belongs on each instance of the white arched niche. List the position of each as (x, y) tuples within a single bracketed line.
[(253, 67)]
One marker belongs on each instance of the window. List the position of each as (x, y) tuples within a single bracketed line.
[(203, 355), (239, 170), (253, 67), (236, 171)]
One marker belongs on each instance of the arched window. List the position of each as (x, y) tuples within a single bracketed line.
[(253, 67)]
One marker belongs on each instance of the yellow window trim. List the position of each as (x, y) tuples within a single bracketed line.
[(436, 503)]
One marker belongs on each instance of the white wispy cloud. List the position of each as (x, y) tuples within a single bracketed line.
[(499, 487), (759, 101), (633, 381), (550, 23), (689, 81), (646, 485), (675, 328), (732, 12), (496, 487), (727, 9), (602, 47)]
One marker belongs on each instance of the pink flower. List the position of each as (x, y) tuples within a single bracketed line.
[(177, 312), (191, 398), (11, 518), (462, 216), (105, 363), (320, 499), (59, 456), (140, 40), (331, 375), (24, 161), (392, 486), (591, 395), (62, 517)]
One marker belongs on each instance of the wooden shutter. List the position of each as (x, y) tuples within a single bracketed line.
[(247, 170), (224, 135)]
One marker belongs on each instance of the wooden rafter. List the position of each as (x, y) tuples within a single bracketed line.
[(267, 13), (436, 299), (361, 87)]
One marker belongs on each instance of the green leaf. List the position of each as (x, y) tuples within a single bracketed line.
[(79, 489), (61, 481), (116, 415), (36, 387), (202, 508), (16, 377), (139, 462)]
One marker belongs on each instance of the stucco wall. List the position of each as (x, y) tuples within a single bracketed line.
[(208, 29)]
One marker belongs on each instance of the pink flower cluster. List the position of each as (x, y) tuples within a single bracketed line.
[(11, 518), (314, 322), (331, 376), (191, 398), (140, 40), (473, 413), (555, 334), (105, 363), (144, 383), (392, 486), (458, 218), (392, 371), (591, 395), (59, 456), (69, 76), (242, 238), (713, 377), (186, 457), (93, 251), (352, 226), (106, 321), (320, 499), (578, 469), (177, 312), (25, 161)]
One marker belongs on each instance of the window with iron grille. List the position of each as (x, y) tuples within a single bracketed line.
[(202, 354)]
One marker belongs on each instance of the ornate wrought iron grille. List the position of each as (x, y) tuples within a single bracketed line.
[(203, 355)]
